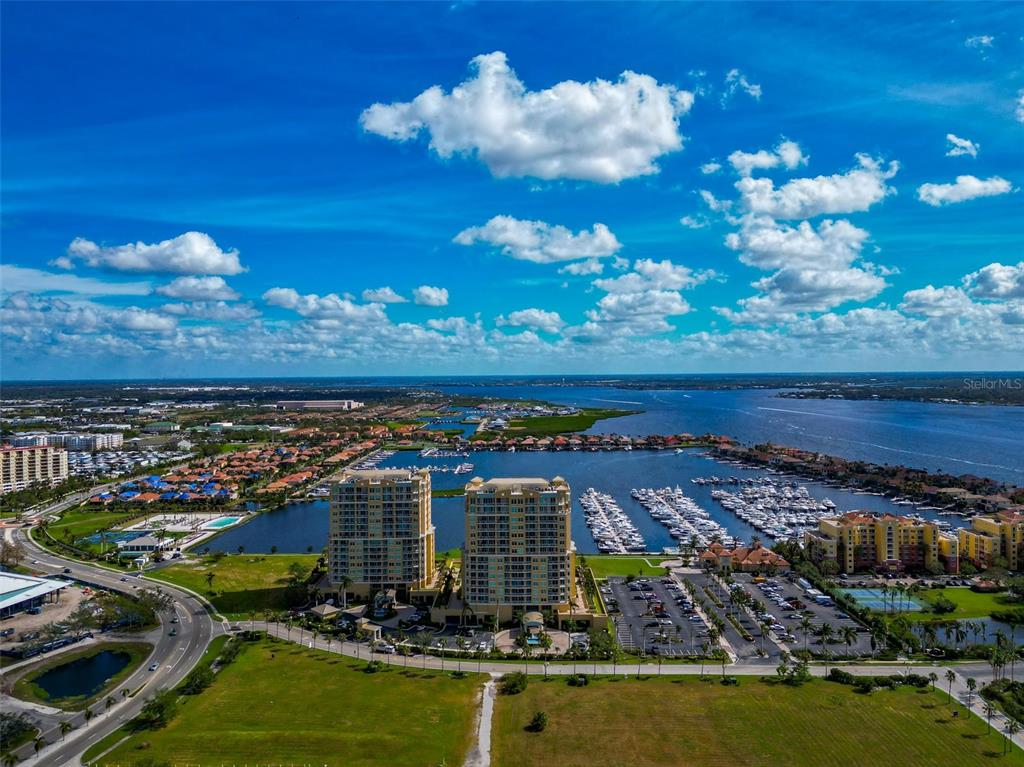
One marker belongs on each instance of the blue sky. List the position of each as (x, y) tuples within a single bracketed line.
[(208, 189)]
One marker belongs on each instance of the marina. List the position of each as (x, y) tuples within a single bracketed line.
[(686, 522), (613, 531)]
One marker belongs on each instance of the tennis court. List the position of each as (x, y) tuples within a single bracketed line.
[(875, 599)]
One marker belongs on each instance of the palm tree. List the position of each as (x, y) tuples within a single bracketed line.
[(765, 627), (805, 626), (990, 711), (345, 583), (950, 677), (65, 728), (933, 678), (89, 714), (703, 655), (8, 759), (1011, 729), (827, 633), (849, 636), (972, 685), (460, 644), (108, 703), (38, 744), (209, 580)]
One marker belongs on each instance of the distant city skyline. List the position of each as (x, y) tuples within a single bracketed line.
[(273, 190)]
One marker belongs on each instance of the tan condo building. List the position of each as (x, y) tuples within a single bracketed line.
[(381, 534), (519, 555), (24, 466), (859, 541), (994, 536)]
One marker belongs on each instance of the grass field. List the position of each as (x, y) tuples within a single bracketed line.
[(82, 523), (969, 604), (683, 722), (281, 704), (26, 689), (240, 582), (550, 425), (605, 565)]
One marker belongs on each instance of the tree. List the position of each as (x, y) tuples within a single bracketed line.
[(933, 678), (538, 722), (849, 636), (65, 728), (990, 711), (108, 703), (210, 575), (38, 745), (345, 583), (805, 626), (950, 677), (1011, 729), (972, 685)]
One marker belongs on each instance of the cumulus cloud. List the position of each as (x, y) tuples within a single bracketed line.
[(535, 319), (936, 302), (964, 188), (427, 295), (958, 147), (15, 279), (714, 204), (850, 192), (328, 307), (540, 242), (595, 131), (710, 168), (787, 153), (189, 253), (649, 274), (736, 82), (694, 222), (996, 281), (383, 295), (198, 289), (1018, 112), (766, 244), (217, 311), (582, 268)]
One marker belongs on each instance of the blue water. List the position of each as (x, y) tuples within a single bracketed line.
[(986, 440), (84, 676), (299, 525), (219, 523)]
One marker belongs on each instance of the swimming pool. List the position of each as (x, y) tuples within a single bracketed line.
[(875, 599), (217, 524)]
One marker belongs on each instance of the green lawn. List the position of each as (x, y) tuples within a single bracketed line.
[(684, 722), (550, 425), (281, 704), (82, 523), (969, 604), (26, 688), (241, 582), (604, 565), (448, 492)]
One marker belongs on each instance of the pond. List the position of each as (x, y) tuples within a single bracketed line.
[(82, 677)]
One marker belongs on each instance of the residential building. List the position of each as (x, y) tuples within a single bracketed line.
[(381, 533), (860, 540), (746, 559), (24, 466), (518, 554), (160, 427), (994, 536)]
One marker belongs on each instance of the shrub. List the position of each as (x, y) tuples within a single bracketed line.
[(197, 681), (917, 680), (943, 605), (538, 723), (513, 684), (864, 686), (730, 681), (842, 677), (579, 680), (373, 667)]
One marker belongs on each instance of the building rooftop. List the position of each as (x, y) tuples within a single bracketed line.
[(478, 484), (379, 474), (16, 588)]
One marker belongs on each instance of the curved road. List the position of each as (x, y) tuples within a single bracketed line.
[(175, 656)]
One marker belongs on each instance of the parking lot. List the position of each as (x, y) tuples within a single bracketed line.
[(786, 603), (654, 614)]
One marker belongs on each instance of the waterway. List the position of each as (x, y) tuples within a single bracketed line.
[(298, 526)]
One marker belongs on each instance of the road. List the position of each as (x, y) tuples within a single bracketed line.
[(175, 656)]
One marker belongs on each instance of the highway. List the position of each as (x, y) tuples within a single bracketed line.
[(175, 656)]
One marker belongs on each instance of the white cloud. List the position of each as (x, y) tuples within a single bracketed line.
[(189, 253), (936, 302), (384, 295), (134, 318), (979, 41), (648, 274), (329, 307), (198, 289), (965, 188), (1019, 111), (583, 268), (996, 281), (596, 131), (787, 153), (694, 222), (535, 319), (850, 192), (541, 242), (20, 278), (218, 311), (959, 147), (427, 295), (710, 168), (765, 244), (737, 81), (713, 203)]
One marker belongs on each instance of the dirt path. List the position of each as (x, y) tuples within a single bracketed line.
[(480, 754)]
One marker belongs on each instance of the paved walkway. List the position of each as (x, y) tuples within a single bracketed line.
[(480, 754)]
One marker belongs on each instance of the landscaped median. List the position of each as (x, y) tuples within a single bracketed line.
[(680, 721), (278, 703)]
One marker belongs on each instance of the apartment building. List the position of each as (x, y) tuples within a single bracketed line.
[(859, 541), (518, 553), (70, 440), (381, 533), (994, 536), (24, 466)]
